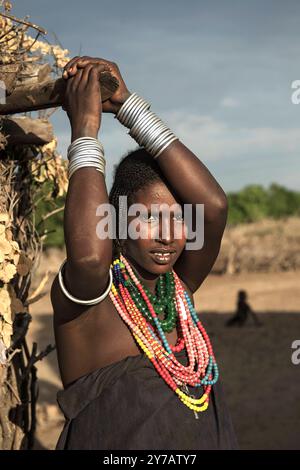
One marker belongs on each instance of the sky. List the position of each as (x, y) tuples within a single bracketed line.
[(218, 73)]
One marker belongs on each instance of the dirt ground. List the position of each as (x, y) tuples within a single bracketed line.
[(260, 382)]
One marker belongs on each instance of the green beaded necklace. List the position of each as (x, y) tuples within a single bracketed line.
[(162, 301)]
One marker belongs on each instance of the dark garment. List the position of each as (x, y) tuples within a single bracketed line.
[(128, 406)]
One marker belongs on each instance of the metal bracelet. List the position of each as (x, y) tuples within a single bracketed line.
[(79, 301), (86, 152), (146, 128)]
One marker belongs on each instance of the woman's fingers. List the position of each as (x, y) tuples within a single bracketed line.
[(71, 67), (76, 63), (69, 64), (94, 62), (85, 75), (73, 82), (94, 73), (86, 72)]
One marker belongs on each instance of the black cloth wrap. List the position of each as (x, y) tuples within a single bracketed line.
[(128, 406)]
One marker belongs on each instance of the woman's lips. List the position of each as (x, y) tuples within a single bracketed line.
[(162, 258)]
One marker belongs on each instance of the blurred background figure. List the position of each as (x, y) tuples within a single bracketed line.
[(243, 311)]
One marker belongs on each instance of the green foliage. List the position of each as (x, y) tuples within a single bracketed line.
[(53, 225), (254, 203)]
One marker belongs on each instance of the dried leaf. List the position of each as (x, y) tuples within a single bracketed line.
[(16, 305), (8, 271), (50, 146), (4, 217), (2, 353), (16, 258), (8, 234), (15, 246), (6, 333), (24, 264), (4, 302), (5, 246)]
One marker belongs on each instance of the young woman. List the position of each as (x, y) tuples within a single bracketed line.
[(137, 366)]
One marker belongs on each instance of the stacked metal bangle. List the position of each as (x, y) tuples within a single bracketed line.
[(131, 110), (86, 152), (146, 128)]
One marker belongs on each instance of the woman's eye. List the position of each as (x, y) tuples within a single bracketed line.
[(153, 218), (149, 218)]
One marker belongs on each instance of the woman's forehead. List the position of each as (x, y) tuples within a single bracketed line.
[(156, 193)]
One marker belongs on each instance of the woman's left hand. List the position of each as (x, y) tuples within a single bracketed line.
[(114, 103)]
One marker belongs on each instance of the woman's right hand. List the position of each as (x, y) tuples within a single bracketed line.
[(82, 101)]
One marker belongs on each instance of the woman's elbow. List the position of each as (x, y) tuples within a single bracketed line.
[(218, 209)]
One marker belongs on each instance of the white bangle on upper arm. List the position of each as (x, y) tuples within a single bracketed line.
[(79, 301)]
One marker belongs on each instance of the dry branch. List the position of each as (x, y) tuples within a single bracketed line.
[(25, 22), (49, 94)]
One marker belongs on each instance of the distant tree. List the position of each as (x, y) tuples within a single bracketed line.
[(283, 201), (249, 204), (254, 202)]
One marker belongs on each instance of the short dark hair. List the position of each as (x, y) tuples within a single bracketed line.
[(136, 170)]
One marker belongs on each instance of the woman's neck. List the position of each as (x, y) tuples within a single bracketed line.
[(148, 279)]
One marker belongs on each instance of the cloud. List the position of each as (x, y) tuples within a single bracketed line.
[(229, 102), (236, 155), (215, 139)]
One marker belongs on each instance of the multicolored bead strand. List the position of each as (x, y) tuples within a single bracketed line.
[(133, 303), (164, 301)]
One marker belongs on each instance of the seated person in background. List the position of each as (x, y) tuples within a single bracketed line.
[(243, 311)]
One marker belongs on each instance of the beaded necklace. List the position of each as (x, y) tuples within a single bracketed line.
[(163, 301), (133, 303)]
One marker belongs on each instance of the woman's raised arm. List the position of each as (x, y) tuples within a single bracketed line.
[(196, 185), (86, 272)]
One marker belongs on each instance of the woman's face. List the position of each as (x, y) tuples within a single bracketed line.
[(161, 227)]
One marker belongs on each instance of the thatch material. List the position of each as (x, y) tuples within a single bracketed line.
[(28, 160)]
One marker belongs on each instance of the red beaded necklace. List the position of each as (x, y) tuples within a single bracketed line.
[(202, 370)]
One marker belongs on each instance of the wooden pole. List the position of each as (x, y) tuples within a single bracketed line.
[(24, 130), (49, 94)]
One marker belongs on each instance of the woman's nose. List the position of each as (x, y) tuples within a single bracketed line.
[(166, 230)]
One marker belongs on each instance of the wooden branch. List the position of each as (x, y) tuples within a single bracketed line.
[(37, 294), (25, 130), (15, 351), (34, 299), (46, 216), (49, 94), (24, 22), (6, 431), (21, 324), (34, 357), (14, 392)]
